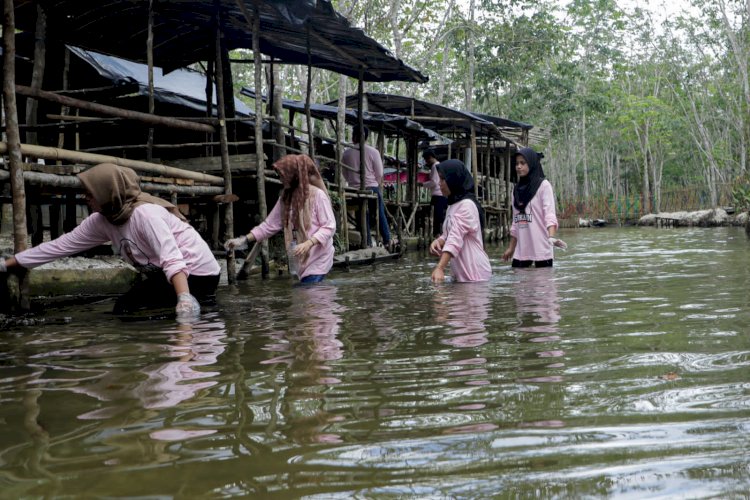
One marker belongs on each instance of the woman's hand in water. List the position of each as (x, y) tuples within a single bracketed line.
[(301, 250), (188, 309), (508, 254), (438, 275), (239, 243), (436, 247), (556, 242)]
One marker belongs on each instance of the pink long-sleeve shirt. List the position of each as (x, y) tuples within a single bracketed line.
[(373, 167), (322, 228), (434, 182), (462, 233), (151, 235), (530, 228)]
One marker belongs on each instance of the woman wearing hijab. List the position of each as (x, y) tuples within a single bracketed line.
[(148, 232), (532, 233), (461, 243), (304, 213)]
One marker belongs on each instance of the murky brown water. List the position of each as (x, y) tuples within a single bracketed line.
[(623, 372)]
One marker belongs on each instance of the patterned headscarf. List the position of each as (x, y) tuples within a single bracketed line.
[(299, 171), (117, 191)]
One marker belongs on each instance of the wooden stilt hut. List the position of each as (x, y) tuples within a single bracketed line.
[(484, 143), (166, 34), (393, 129)]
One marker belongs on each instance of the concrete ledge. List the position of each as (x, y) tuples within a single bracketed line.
[(81, 276)]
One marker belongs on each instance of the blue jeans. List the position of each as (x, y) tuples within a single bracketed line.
[(313, 278), (385, 231)]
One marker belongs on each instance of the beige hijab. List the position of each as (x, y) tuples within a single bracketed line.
[(117, 191)]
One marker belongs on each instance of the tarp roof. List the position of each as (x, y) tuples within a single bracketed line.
[(184, 34), (374, 121), (182, 87), (441, 119)]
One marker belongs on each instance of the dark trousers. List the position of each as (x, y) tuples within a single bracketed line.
[(385, 231), (439, 206), (528, 263), (155, 292)]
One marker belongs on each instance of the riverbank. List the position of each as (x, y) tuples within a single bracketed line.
[(717, 217)]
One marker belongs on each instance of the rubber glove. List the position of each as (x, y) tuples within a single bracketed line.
[(238, 243), (555, 242), (188, 308)]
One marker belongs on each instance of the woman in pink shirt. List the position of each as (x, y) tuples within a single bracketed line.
[(461, 242), (148, 232), (532, 233), (304, 213)]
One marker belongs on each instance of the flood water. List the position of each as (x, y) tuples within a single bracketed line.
[(622, 372)]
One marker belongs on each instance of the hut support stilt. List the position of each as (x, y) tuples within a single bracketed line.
[(18, 287)]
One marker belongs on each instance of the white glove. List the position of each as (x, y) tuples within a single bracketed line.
[(188, 308), (238, 243), (3, 267), (558, 243)]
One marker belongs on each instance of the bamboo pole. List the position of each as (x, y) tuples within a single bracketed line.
[(162, 121), (19, 289), (150, 64), (361, 124), (261, 185), (37, 72), (64, 110), (308, 98), (474, 159), (72, 182), (340, 126), (277, 110), (223, 139), (48, 153)]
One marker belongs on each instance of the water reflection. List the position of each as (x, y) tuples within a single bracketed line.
[(464, 309), (308, 345), (538, 308), (306, 349), (189, 348)]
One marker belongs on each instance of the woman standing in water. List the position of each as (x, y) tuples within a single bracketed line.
[(460, 243), (532, 233), (148, 232), (304, 213)]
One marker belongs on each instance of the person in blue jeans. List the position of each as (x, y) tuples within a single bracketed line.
[(373, 178)]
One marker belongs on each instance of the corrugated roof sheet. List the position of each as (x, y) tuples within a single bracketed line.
[(184, 34)]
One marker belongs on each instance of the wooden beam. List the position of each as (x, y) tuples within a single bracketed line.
[(72, 182), (49, 153), (162, 121)]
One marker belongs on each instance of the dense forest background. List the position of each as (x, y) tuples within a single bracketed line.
[(636, 105)]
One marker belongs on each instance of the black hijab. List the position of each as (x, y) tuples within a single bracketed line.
[(528, 185), (461, 184)]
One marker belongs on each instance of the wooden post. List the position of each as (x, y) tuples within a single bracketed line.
[(277, 110), (262, 207), (308, 97), (150, 63), (399, 212), (340, 127), (225, 166), (19, 289), (37, 72), (508, 203), (361, 124), (209, 102), (474, 159)]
